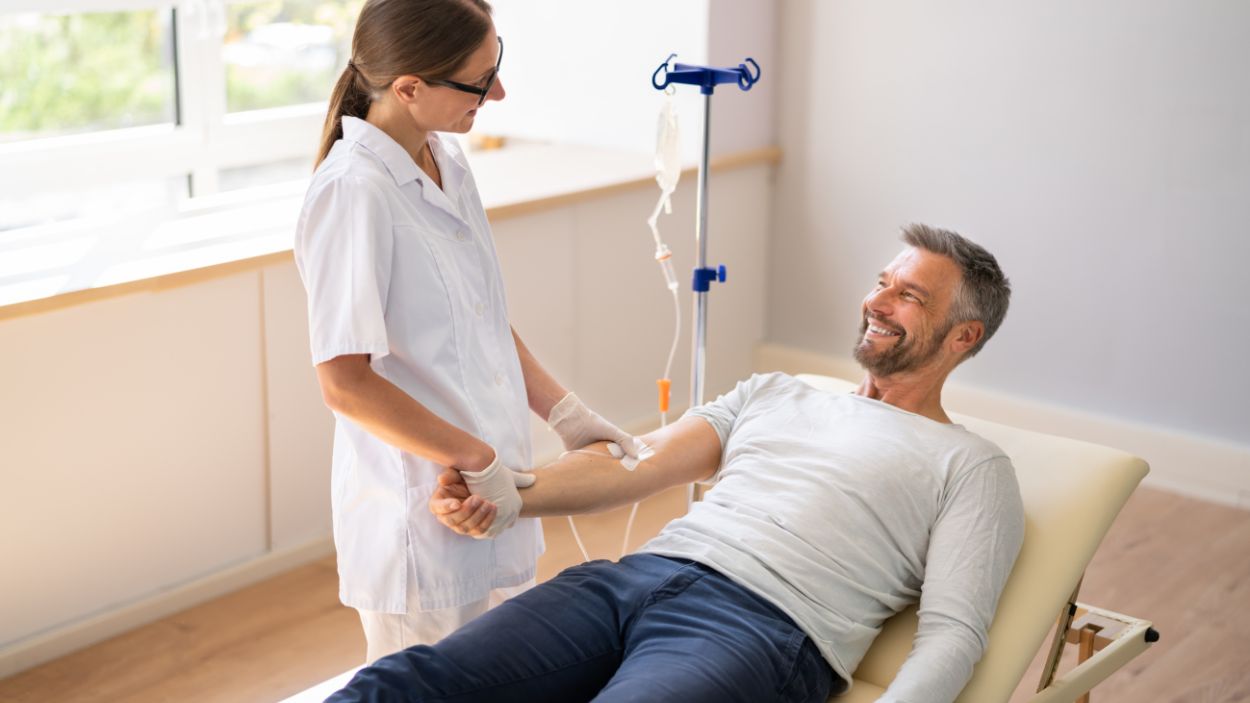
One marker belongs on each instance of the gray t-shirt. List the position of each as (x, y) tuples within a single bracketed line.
[(842, 510)]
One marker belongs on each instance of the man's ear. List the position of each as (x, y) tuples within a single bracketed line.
[(966, 335)]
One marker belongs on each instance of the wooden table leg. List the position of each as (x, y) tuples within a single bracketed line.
[(1085, 650)]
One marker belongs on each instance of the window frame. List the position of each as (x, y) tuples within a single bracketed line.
[(204, 140)]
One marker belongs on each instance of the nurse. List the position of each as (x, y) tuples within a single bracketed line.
[(409, 328)]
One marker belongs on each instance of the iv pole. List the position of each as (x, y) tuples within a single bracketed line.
[(707, 79)]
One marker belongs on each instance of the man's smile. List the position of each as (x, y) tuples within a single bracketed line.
[(875, 327), (881, 332)]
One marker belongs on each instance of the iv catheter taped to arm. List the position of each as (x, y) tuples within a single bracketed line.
[(629, 462)]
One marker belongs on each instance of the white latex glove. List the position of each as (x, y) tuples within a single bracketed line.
[(578, 425), (498, 484)]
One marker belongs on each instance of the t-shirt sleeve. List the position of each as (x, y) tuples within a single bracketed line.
[(972, 548), (343, 246), (723, 412)]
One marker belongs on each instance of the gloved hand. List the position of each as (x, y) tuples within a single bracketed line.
[(498, 484), (578, 425)]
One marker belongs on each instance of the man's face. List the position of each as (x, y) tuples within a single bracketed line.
[(904, 318)]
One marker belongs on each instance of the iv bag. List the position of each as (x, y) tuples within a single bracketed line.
[(667, 151)]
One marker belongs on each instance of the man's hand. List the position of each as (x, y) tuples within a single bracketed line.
[(578, 426), (458, 509)]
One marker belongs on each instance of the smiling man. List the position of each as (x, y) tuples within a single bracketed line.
[(830, 513), (905, 323)]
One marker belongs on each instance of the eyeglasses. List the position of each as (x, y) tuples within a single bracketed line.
[(481, 92)]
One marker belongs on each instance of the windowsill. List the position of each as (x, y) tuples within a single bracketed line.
[(59, 265)]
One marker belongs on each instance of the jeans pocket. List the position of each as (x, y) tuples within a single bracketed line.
[(810, 679)]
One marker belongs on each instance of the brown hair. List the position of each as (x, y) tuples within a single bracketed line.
[(427, 38), (984, 291)]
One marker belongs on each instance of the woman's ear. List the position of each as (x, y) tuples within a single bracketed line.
[(406, 88)]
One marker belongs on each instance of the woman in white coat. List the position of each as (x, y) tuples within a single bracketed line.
[(409, 328)]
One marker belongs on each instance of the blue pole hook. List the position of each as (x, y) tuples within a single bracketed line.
[(706, 77), (746, 80), (663, 67)]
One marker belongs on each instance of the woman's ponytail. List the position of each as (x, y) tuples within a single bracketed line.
[(347, 98)]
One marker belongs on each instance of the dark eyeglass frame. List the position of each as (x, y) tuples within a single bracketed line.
[(481, 93)]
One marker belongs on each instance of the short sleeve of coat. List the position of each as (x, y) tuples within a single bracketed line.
[(343, 247)]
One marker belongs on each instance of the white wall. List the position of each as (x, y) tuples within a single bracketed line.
[(579, 72), (738, 29), (1101, 150)]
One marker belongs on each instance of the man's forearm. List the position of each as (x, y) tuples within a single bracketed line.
[(591, 480)]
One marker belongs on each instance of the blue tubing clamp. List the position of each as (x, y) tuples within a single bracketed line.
[(703, 278)]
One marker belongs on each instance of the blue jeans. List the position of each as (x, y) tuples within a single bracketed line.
[(648, 628)]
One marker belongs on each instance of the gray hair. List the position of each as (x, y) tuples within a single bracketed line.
[(984, 291)]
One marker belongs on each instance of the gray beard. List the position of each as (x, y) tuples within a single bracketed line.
[(904, 356)]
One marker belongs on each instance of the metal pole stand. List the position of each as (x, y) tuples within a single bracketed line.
[(707, 78)]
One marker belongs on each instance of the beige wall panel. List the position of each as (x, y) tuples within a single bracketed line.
[(131, 449), (537, 253), (301, 428), (739, 236)]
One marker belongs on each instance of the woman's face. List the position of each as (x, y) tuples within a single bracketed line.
[(438, 108)]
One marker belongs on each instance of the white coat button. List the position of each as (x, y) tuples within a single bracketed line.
[(481, 309), (498, 379), (461, 235)]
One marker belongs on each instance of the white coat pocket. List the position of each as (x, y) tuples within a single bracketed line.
[(450, 569)]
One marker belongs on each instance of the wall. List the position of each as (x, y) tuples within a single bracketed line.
[(164, 447), (1101, 150), (580, 72)]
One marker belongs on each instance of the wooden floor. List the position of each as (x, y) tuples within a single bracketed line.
[(1184, 564)]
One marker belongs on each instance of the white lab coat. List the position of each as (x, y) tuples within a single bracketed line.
[(398, 269)]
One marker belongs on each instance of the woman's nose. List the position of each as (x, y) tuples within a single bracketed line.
[(496, 91)]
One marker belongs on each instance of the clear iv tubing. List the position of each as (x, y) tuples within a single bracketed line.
[(668, 164), (666, 264), (665, 258), (664, 415), (672, 353)]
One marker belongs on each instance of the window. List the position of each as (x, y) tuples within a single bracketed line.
[(74, 73), (108, 103), (285, 53)]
